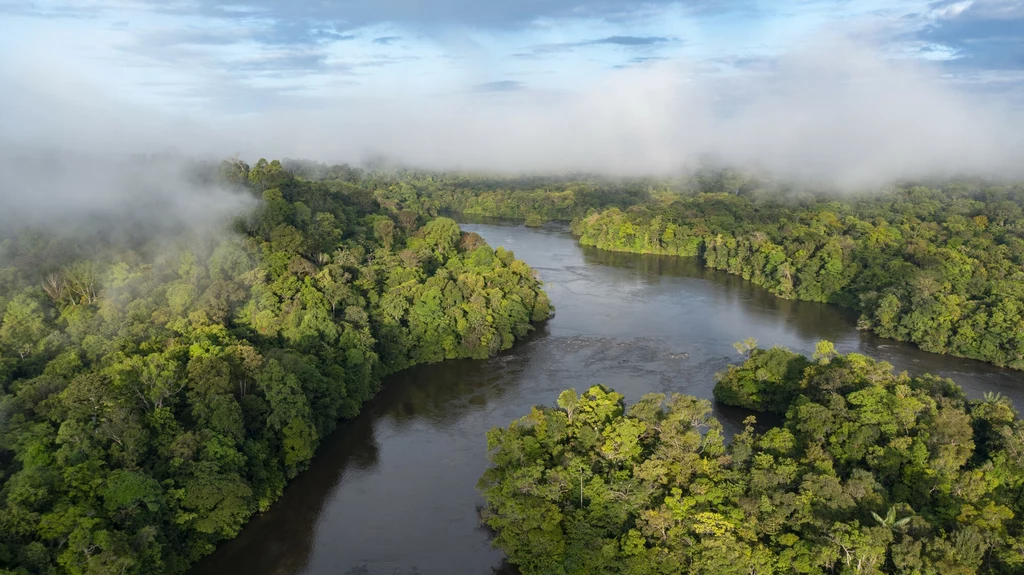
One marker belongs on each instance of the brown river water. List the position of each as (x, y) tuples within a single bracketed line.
[(393, 492)]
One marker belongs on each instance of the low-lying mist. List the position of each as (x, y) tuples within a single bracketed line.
[(835, 112), (838, 114), (63, 190)]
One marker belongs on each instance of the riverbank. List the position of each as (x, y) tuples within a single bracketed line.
[(944, 283)]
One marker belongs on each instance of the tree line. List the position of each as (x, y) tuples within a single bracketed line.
[(942, 268), (536, 199), (155, 392), (870, 472)]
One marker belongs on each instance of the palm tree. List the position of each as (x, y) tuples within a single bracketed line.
[(890, 520), (991, 397)]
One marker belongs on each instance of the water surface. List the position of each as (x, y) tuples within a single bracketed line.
[(393, 491)]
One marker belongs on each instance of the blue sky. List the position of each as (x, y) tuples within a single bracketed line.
[(250, 55), (844, 89)]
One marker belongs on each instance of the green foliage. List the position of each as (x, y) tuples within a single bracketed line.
[(156, 392), (940, 268), (530, 199), (767, 381), (871, 472), (23, 325)]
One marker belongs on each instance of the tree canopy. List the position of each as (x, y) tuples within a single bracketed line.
[(870, 472), (157, 391)]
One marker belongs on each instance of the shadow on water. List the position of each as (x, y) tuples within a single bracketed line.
[(283, 539), (809, 319), (441, 394), (284, 534)]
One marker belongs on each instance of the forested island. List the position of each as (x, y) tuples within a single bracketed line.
[(156, 391), (870, 472)]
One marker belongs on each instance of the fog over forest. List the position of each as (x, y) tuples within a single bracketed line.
[(836, 111)]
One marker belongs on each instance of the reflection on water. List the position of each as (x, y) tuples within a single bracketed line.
[(810, 320), (393, 491)]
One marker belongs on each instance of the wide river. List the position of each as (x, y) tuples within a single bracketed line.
[(394, 490)]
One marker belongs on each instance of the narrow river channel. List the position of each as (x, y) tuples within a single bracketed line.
[(392, 492)]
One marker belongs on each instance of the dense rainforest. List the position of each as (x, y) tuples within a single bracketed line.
[(532, 199), (870, 472), (156, 390), (940, 266)]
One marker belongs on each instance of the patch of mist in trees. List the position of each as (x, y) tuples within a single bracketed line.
[(115, 200), (85, 224)]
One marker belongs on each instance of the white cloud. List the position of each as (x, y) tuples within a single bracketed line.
[(949, 11), (832, 109)]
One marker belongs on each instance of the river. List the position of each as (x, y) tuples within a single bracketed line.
[(392, 492)]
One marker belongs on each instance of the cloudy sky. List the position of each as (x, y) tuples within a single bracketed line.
[(417, 77)]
